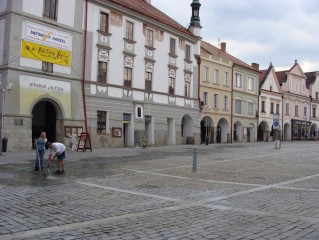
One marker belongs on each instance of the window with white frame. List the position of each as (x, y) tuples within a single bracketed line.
[(104, 22), (148, 81), (287, 108), (171, 86), (226, 79), (50, 8), (216, 76), (187, 86), (215, 101), (277, 108), (172, 46), (263, 103), (225, 102), (206, 74), (314, 109), (250, 109), (305, 111), (149, 38), (101, 121), (237, 106), (272, 108), (296, 110), (187, 52), (102, 72), (238, 80), (205, 98), (128, 77), (129, 30), (251, 84)]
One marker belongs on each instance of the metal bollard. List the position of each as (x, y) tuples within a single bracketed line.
[(194, 158)]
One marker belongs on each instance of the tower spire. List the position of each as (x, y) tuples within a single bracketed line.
[(195, 26)]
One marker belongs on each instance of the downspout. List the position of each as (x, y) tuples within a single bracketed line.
[(231, 103), (282, 116), (198, 83), (84, 66)]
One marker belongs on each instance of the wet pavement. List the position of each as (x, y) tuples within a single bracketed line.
[(238, 191)]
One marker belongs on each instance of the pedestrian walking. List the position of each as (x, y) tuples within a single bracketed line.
[(57, 150), (74, 141), (40, 151)]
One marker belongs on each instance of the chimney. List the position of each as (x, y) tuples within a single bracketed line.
[(223, 46), (255, 65)]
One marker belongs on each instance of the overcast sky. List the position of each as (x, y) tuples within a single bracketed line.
[(261, 31)]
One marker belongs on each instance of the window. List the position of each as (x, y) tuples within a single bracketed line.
[(206, 74), (101, 75), (171, 86), (129, 30), (104, 22), (317, 95), (47, 67), (172, 46), (287, 108), (272, 108), (263, 106), (148, 81), (215, 101), (101, 122), (216, 76), (226, 79), (149, 38), (251, 83), (270, 88), (238, 80), (305, 111), (127, 77), (314, 112), (225, 102), (205, 97), (296, 111), (50, 8), (237, 106), (188, 52), (250, 108), (187, 89), (277, 108)]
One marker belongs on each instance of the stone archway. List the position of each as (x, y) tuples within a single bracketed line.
[(187, 130), (287, 132), (238, 132), (206, 129), (263, 132), (44, 118), (222, 131)]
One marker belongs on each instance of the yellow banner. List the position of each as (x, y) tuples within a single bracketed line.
[(45, 53)]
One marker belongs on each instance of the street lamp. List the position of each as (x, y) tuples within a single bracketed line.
[(206, 109), (4, 91)]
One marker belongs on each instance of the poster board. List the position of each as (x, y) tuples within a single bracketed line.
[(84, 142)]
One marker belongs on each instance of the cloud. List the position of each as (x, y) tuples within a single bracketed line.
[(257, 30)]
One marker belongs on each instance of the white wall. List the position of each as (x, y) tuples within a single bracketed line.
[(34, 7), (3, 5)]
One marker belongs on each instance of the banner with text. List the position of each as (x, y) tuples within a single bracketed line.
[(45, 53)]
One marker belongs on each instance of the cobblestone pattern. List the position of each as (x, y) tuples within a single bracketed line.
[(239, 191)]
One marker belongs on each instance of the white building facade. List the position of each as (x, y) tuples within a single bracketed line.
[(40, 68), (270, 106), (141, 78)]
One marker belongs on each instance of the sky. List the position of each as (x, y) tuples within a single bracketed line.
[(257, 31)]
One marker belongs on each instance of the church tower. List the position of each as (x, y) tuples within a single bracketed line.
[(195, 26)]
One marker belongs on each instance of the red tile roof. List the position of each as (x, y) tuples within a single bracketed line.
[(144, 8), (218, 52), (281, 76)]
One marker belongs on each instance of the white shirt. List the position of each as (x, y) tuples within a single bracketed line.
[(57, 148)]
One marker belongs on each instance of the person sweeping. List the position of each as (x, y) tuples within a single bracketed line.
[(57, 150), (40, 151)]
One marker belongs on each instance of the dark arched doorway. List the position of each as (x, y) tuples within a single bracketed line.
[(44, 119)]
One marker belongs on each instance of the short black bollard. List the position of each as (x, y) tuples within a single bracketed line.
[(194, 158)]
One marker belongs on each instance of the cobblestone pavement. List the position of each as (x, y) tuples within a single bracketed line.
[(238, 191)]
